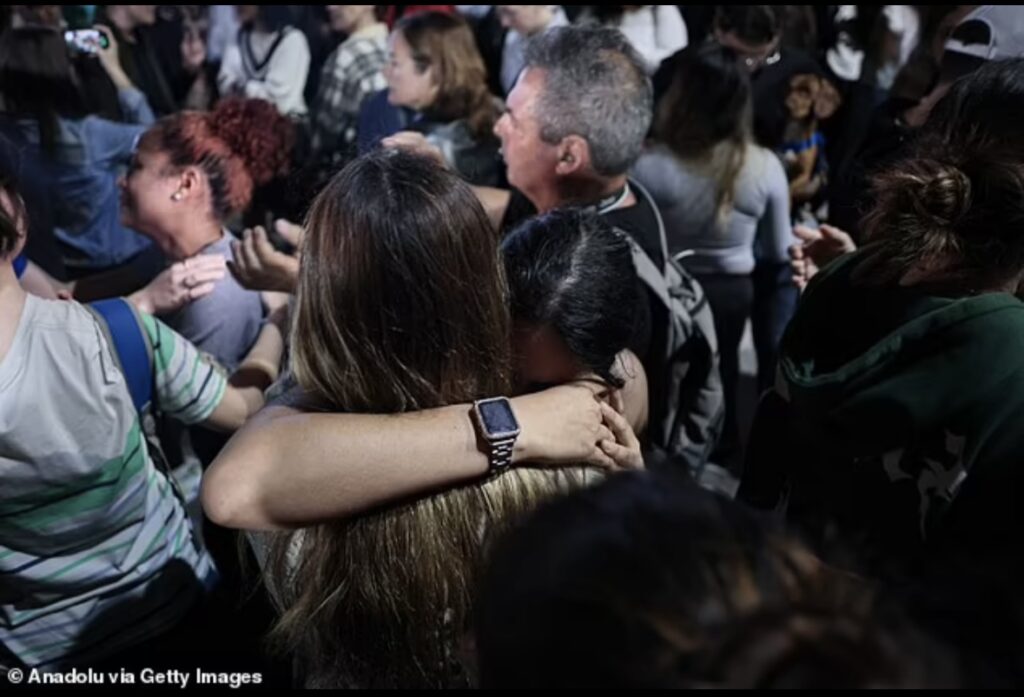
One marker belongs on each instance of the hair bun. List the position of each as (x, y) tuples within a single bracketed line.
[(257, 133), (940, 191)]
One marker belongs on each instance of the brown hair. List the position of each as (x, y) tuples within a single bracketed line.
[(10, 220), (649, 582), (445, 43), (952, 213), (705, 117), (37, 80), (956, 216), (242, 144), (401, 307)]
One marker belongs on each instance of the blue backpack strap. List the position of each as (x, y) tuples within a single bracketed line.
[(132, 348), (20, 264)]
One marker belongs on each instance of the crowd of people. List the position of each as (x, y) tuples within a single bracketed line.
[(400, 346)]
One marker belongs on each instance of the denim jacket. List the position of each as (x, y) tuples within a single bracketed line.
[(82, 175)]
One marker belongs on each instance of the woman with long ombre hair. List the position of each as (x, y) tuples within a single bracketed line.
[(401, 307)]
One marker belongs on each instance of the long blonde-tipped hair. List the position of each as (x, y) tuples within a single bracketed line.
[(705, 118), (401, 307)]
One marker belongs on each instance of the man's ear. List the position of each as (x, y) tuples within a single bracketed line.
[(573, 156)]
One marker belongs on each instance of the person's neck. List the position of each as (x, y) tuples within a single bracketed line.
[(259, 28), (118, 16), (363, 24), (12, 304), (544, 25), (587, 192), (194, 239)]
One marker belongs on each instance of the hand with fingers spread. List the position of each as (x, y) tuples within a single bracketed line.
[(180, 284), (564, 426), (257, 265), (816, 250)]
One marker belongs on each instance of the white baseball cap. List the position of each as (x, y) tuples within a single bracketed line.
[(991, 32)]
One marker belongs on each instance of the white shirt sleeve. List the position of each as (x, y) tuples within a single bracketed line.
[(231, 76), (671, 35), (656, 32)]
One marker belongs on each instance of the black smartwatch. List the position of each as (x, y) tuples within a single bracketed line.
[(498, 428)]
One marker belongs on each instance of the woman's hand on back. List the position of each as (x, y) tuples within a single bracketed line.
[(181, 283)]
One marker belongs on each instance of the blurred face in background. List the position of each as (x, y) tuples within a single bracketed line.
[(246, 13), (409, 84), (752, 56), (346, 19), (525, 19), (48, 15), (142, 15)]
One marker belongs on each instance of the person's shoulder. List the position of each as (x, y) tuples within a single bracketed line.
[(65, 317), (229, 303), (762, 163), (295, 39), (659, 169), (655, 155), (366, 42), (69, 336)]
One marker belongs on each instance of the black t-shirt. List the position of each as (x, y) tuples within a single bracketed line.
[(884, 143), (639, 221)]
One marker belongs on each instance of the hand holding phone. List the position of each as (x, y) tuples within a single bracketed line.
[(86, 41)]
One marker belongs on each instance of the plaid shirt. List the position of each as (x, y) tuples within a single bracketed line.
[(352, 73)]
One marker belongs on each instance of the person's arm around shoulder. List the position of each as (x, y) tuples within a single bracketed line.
[(285, 469), (192, 388), (259, 370)]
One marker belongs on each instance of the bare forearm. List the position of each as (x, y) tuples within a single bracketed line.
[(495, 202), (258, 371), (265, 355), (285, 469)]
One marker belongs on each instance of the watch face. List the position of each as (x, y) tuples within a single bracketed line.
[(498, 419)]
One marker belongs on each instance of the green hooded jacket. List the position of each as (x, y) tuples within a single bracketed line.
[(897, 417)]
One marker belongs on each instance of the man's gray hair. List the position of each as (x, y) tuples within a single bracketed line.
[(596, 88)]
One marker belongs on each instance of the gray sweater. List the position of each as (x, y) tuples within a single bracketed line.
[(686, 197)]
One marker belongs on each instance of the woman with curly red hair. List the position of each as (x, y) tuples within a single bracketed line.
[(191, 174)]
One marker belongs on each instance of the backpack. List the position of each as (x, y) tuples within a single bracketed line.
[(133, 353), (688, 399)]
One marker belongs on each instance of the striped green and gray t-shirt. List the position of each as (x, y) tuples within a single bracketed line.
[(96, 552)]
